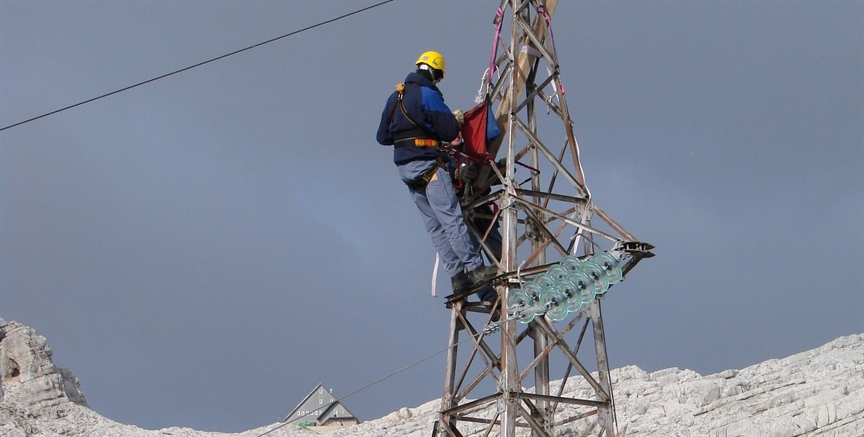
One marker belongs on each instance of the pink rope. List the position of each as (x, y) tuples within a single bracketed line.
[(542, 10), (500, 16)]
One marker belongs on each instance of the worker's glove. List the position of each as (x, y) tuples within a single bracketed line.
[(460, 116), (468, 173)]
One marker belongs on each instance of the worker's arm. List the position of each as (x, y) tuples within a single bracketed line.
[(439, 118), (384, 136)]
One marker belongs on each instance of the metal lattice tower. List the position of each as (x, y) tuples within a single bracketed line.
[(545, 217)]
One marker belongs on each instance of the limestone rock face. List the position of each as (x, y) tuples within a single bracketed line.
[(814, 393), (30, 381), (29, 375), (818, 393)]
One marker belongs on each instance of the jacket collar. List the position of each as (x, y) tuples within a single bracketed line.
[(421, 80)]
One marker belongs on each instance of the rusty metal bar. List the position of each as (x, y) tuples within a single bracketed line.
[(552, 196), (447, 400), (472, 404), (542, 147), (575, 352), (530, 416), (572, 222), (618, 228), (549, 347), (487, 355), (607, 413), (562, 346), (541, 225), (577, 417), (564, 400)]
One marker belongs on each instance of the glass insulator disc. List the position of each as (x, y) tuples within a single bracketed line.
[(555, 303), (611, 264), (532, 291), (571, 293), (585, 285), (544, 280), (598, 274), (571, 263), (557, 272)]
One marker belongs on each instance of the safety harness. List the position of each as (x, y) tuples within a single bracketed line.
[(420, 182), (416, 137)]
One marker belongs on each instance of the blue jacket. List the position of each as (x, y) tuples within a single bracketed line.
[(425, 106)]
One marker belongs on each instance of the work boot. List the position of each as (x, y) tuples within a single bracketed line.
[(482, 275), (488, 294), (461, 282)]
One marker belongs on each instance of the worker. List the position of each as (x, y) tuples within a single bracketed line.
[(416, 121)]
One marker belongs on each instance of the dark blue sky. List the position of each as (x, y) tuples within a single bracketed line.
[(203, 250)]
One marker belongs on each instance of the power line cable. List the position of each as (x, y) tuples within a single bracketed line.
[(199, 64), (488, 329)]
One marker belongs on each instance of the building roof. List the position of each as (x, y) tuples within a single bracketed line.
[(324, 410)]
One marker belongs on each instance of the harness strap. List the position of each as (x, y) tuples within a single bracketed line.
[(401, 104), (400, 91), (416, 137), (423, 180)]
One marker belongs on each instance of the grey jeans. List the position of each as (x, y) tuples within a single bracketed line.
[(439, 207)]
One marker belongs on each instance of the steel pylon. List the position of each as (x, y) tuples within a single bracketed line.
[(537, 217)]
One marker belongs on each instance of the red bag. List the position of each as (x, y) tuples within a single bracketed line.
[(478, 130)]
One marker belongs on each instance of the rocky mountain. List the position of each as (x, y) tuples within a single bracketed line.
[(815, 393)]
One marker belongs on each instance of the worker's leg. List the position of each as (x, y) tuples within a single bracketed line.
[(409, 172), (449, 259), (443, 202)]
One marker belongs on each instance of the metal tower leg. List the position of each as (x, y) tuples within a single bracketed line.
[(447, 401), (606, 413)]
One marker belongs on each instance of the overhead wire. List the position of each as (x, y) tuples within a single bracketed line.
[(488, 329), (322, 23)]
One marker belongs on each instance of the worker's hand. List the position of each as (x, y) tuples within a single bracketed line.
[(460, 116), (457, 141), (469, 172)]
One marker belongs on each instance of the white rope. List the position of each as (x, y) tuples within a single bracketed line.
[(435, 276)]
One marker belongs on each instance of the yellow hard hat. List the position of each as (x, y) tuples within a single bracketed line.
[(432, 59)]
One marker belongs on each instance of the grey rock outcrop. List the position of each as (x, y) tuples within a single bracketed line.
[(818, 393), (32, 386), (815, 393)]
